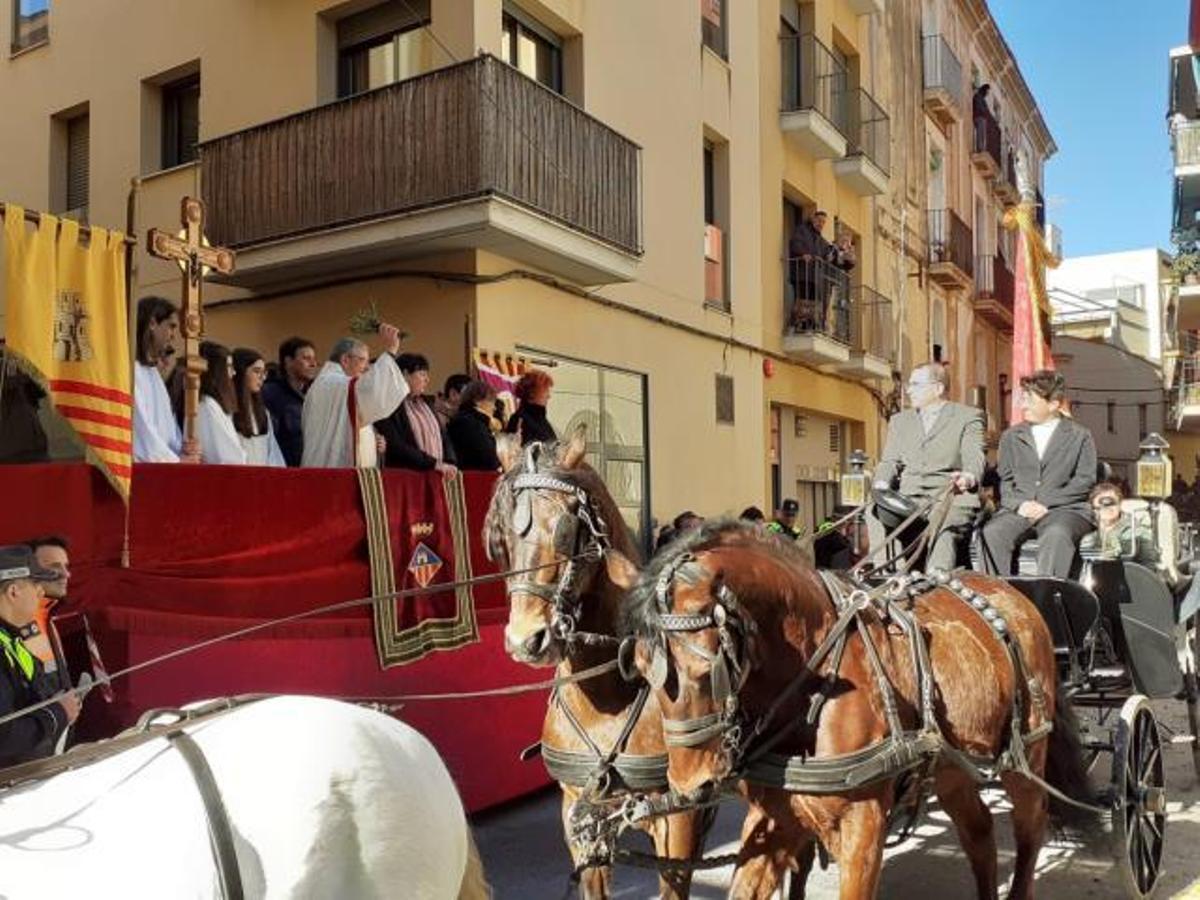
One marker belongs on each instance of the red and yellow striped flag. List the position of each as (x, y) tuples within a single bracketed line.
[(66, 323), (1031, 303)]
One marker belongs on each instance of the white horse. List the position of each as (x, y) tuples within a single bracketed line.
[(323, 800)]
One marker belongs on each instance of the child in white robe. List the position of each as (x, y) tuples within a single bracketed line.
[(219, 441), (251, 421)]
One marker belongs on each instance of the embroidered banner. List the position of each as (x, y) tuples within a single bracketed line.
[(417, 538), (67, 326)]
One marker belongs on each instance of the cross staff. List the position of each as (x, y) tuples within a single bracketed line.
[(194, 257)]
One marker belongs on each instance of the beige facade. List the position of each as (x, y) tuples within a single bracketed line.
[(642, 243)]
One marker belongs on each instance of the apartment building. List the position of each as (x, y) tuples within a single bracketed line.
[(612, 187)]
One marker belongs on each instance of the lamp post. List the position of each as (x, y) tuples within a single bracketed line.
[(853, 490), (1152, 476)]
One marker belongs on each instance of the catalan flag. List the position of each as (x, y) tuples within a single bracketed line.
[(66, 324), (500, 370)]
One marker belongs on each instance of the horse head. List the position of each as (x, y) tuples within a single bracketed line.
[(554, 527), (694, 634)]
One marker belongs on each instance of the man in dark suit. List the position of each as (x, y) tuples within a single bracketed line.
[(1047, 469), (935, 443)]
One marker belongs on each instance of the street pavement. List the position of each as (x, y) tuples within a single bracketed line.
[(524, 855)]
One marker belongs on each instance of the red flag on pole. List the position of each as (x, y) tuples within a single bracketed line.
[(1031, 305), (1194, 26)]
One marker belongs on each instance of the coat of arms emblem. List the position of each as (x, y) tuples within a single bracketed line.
[(71, 342)]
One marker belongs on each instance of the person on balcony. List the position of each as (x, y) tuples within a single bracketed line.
[(215, 431), (251, 419), (1047, 471), (934, 444), (470, 429), (532, 391), (807, 250), (283, 395), (413, 434), (156, 433), (348, 396)]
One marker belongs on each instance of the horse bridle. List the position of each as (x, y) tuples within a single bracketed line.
[(580, 541), (729, 666)]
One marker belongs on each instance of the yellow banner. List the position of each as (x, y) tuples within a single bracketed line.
[(67, 323)]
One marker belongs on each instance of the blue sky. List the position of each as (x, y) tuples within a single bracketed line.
[(1098, 69)]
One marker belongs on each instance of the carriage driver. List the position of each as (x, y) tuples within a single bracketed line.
[(935, 443), (23, 681)]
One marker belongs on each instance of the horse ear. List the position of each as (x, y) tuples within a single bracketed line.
[(576, 447), (508, 450), (621, 571)]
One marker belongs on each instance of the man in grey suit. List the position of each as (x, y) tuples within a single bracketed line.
[(933, 444), (1047, 470)]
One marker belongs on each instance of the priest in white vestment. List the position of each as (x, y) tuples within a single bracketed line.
[(337, 425)]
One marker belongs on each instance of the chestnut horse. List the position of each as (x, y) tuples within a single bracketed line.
[(550, 508), (725, 629)]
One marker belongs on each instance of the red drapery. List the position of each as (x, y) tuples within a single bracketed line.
[(213, 548)]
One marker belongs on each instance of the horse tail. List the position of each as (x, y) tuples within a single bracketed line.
[(474, 885), (1066, 772)]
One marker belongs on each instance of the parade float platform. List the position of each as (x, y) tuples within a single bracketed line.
[(212, 549)]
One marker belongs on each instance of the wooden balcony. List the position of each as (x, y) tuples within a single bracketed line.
[(951, 255), (994, 292), (472, 156)]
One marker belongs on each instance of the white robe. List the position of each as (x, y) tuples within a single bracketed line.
[(326, 419), (263, 449), (220, 444), (156, 435)]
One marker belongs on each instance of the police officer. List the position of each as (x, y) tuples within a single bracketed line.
[(23, 681), (784, 523)]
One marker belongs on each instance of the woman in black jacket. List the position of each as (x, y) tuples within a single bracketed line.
[(414, 435), (533, 394), (470, 429)]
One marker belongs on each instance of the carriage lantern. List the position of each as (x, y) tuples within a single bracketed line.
[(1153, 474), (854, 482)]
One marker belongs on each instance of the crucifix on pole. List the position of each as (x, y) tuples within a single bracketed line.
[(190, 250)]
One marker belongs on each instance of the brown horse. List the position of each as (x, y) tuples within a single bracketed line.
[(549, 510), (725, 629)]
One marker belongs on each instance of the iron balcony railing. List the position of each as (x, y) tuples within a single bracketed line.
[(1185, 142), (813, 78), (472, 130), (942, 69), (869, 130), (988, 139), (950, 240), (872, 325), (816, 299), (994, 280)]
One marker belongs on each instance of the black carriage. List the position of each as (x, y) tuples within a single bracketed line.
[(1120, 643)]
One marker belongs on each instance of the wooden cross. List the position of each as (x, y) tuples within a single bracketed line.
[(194, 256)]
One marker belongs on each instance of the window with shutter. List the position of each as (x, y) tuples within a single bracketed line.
[(382, 45), (78, 139), (180, 121)]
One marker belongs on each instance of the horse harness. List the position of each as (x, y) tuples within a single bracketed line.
[(148, 728), (580, 540), (748, 746)]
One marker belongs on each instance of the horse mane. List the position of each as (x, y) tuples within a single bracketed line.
[(500, 513), (641, 606)]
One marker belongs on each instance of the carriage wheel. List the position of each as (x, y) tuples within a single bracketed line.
[(1191, 688), (1139, 797)]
